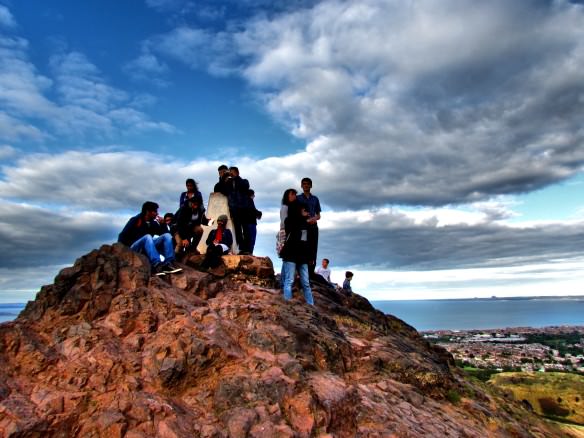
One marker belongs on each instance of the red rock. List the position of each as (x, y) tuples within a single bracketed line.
[(108, 351)]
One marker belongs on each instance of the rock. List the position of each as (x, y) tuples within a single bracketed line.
[(108, 350)]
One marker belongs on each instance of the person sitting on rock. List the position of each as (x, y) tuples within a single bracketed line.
[(218, 243), (324, 274), (347, 282), (192, 192), (139, 234), (295, 254), (170, 222), (188, 226)]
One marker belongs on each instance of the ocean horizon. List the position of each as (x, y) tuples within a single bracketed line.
[(457, 314), (486, 313)]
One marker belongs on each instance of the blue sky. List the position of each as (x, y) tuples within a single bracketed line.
[(444, 138)]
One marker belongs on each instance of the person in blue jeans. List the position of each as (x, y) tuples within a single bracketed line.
[(295, 253), (139, 234)]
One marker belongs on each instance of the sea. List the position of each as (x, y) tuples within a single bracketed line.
[(426, 315), (491, 313), (8, 312)]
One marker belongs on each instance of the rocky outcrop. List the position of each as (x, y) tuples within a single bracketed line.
[(109, 351)]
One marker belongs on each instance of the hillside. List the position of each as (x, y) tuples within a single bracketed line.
[(108, 351), (553, 395)]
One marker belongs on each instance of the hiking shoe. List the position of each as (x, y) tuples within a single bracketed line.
[(171, 268), (158, 270)]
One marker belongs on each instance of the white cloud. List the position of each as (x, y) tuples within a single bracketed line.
[(147, 67), (6, 18), (86, 103)]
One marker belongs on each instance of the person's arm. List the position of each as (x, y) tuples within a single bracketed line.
[(126, 234), (227, 238), (211, 237), (317, 211)]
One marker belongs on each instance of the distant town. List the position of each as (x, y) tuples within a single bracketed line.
[(515, 349)]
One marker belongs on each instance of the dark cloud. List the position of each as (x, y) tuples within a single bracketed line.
[(32, 236), (379, 245)]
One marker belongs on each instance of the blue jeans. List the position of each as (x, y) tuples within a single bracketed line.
[(153, 248), (250, 233), (288, 271)]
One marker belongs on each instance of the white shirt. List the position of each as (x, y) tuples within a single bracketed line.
[(325, 273)]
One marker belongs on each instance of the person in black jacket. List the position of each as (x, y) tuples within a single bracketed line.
[(188, 226), (249, 220), (139, 234), (296, 252), (238, 200), (222, 185), (218, 243)]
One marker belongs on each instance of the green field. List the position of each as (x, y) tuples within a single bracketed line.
[(557, 396)]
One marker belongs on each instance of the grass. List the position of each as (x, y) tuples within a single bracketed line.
[(558, 396)]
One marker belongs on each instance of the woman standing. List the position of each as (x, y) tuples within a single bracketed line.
[(295, 253)]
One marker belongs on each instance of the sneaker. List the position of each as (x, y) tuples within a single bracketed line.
[(158, 270), (171, 268)]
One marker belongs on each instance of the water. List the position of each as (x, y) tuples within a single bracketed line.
[(486, 313), (8, 312)]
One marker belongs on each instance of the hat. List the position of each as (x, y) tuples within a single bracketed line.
[(222, 218)]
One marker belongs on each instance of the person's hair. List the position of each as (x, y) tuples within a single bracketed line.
[(193, 182), (234, 168), (327, 260), (348, 274), (285, 197), (170, 215), (149, 206), (222, 167), (306, 179)]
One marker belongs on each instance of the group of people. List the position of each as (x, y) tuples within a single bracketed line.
[(242, 209), (179, 233), (175, 234)]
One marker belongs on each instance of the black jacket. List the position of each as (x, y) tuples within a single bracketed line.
[(185, 222), (138, 227), (296, 249)]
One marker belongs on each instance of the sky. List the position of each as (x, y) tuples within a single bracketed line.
[(444, 138)]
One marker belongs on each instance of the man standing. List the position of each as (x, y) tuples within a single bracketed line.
[(238, 201), (222, 184), (312, 205), (139, 234)]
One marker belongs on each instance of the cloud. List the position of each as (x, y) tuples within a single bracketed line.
[(6, 18), (148, 68), (432, 103), (7, 151), (33, 236), (387, 238), (394, 242), (75, 101)]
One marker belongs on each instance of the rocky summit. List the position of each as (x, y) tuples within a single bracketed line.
[(110, 351)]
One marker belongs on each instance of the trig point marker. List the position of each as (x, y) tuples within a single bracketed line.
[(217, 206)]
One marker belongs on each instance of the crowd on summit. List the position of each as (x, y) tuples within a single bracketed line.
[(165, 239)]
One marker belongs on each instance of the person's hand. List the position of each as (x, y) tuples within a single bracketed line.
[(185, 243)]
